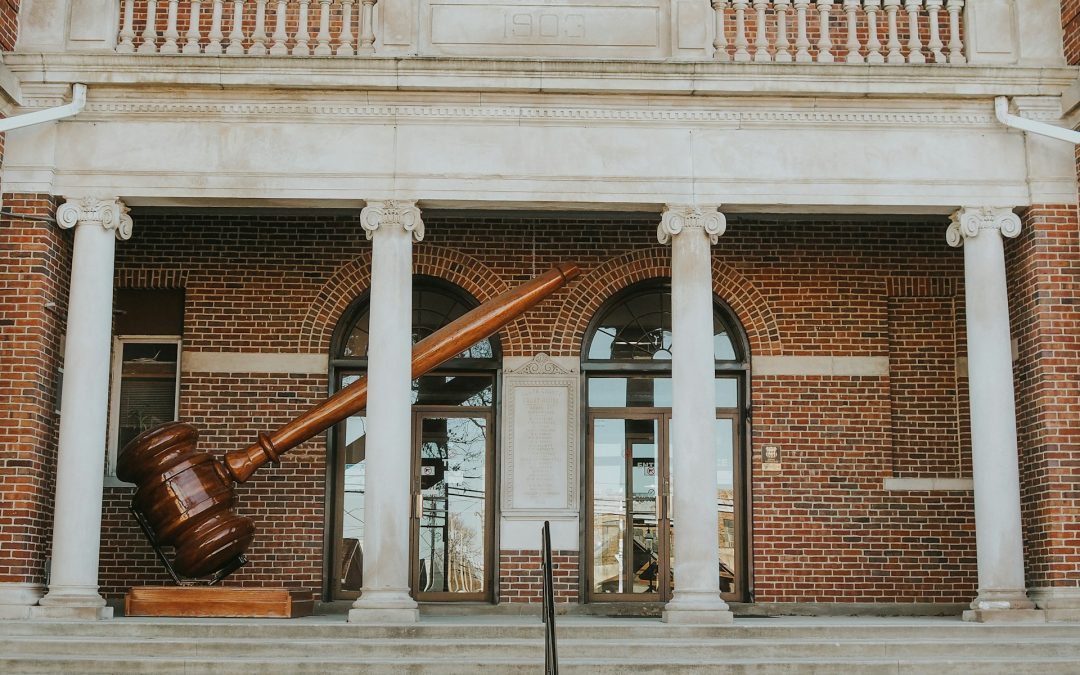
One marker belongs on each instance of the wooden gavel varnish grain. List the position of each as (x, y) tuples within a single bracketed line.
[(186, 495)]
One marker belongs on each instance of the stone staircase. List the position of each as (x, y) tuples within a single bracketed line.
[(514, 644)]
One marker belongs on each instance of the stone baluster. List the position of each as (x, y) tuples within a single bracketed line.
[(691, 230), (999, 542), (149, 34), (345, 39), (824, 44), (915, 45), (853, 46), (933, 8), (194, 34), (783, 45), (956, 46), (171, 33), (127, 33), (323, 37), (367, 27), (258, 35), (895, 55), (741, 43), (236, 35), (280, 36), (802, 43), (720, 43), (761, 44), (303, 33), (391, 226), (84, 405), (215, 34), (873, 43)]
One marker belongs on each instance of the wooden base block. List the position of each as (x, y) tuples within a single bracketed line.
[(218, 601)]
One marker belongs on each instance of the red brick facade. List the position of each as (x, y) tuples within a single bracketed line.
[(34, 269), (824, 529), (521, 579)]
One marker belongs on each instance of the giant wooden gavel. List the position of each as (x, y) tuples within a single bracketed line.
[(184, 495)]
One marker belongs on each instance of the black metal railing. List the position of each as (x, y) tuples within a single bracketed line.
[(551, 659)]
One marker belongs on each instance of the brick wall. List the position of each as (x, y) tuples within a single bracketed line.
[(521, 578), (9, 24), (1044, 292), (34, 263), (1070, 21), (824, 528)]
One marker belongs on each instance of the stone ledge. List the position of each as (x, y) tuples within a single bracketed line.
[(929, 484)]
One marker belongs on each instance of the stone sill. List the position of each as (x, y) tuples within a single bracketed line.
[(700, 78), (929, 484)]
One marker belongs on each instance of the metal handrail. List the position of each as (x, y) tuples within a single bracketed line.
[(551, 660)]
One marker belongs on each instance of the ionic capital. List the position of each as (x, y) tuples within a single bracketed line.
[(969, 221), (110, 214), (392, 214), (707, 220)]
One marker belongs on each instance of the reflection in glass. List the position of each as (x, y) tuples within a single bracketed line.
[(638, 328), (457, 390), (352, 521), (453, 494), (725, 501), (651, 392)]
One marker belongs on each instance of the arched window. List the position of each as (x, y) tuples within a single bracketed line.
[(453, 417), (626, 357)]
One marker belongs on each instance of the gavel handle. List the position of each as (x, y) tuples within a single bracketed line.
[(434, 350)]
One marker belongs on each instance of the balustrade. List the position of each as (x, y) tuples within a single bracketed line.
[(758, 31), (252, 27), (846, 31)]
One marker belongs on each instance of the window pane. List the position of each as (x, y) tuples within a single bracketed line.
[(457, 390), (624, 392), (147, 388)]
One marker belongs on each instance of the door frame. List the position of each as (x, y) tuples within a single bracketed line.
[(419, 413)]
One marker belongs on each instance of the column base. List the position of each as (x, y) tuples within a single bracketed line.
[(384, 606), (76, 602), (699, 608), (1060, 604), (17, 599), (1005, 616), (1004, 606)]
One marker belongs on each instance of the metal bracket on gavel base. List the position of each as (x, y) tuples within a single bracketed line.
[(233, 565)]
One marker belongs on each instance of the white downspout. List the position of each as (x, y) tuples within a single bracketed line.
[(1001, 108), (78, 102)]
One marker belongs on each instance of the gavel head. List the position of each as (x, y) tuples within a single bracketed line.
[(185, 495)]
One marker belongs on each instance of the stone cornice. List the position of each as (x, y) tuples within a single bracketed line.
[(699, 78)]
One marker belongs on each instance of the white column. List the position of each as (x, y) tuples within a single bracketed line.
[(697, 599), (392, 226), (999, 540), (80, 462)]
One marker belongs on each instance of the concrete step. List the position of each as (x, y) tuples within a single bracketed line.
[(608, 666), (628, 650)]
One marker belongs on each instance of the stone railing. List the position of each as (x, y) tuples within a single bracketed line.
[(255, 27), (849, 31), (773, 31)]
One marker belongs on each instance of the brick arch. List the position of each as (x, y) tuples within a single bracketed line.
[(354, 278), (599, 284)]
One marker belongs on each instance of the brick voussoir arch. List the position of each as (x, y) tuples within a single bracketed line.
[(354, 278), (151, 278), (597, 285)]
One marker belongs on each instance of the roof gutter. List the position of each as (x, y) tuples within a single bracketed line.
[(1001, 109), (78, 102)]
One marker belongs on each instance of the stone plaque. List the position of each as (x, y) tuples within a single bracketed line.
[(630, 28), (540, 439)]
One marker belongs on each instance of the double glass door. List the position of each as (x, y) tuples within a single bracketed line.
[(631, 526)]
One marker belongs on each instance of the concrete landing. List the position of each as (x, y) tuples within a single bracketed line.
[(442, 645)]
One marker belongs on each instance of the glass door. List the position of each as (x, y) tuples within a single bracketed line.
[(627, 511), (451, 524)]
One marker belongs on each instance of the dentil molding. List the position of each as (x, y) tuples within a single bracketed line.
[(111, 214), (392, 214), (968, 222), (677, 219)]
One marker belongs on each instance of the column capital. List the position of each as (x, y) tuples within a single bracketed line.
[(392, 213), (969, 221), (678, 218), (108, 213)]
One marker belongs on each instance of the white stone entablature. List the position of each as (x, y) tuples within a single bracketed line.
[(648, 134)]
